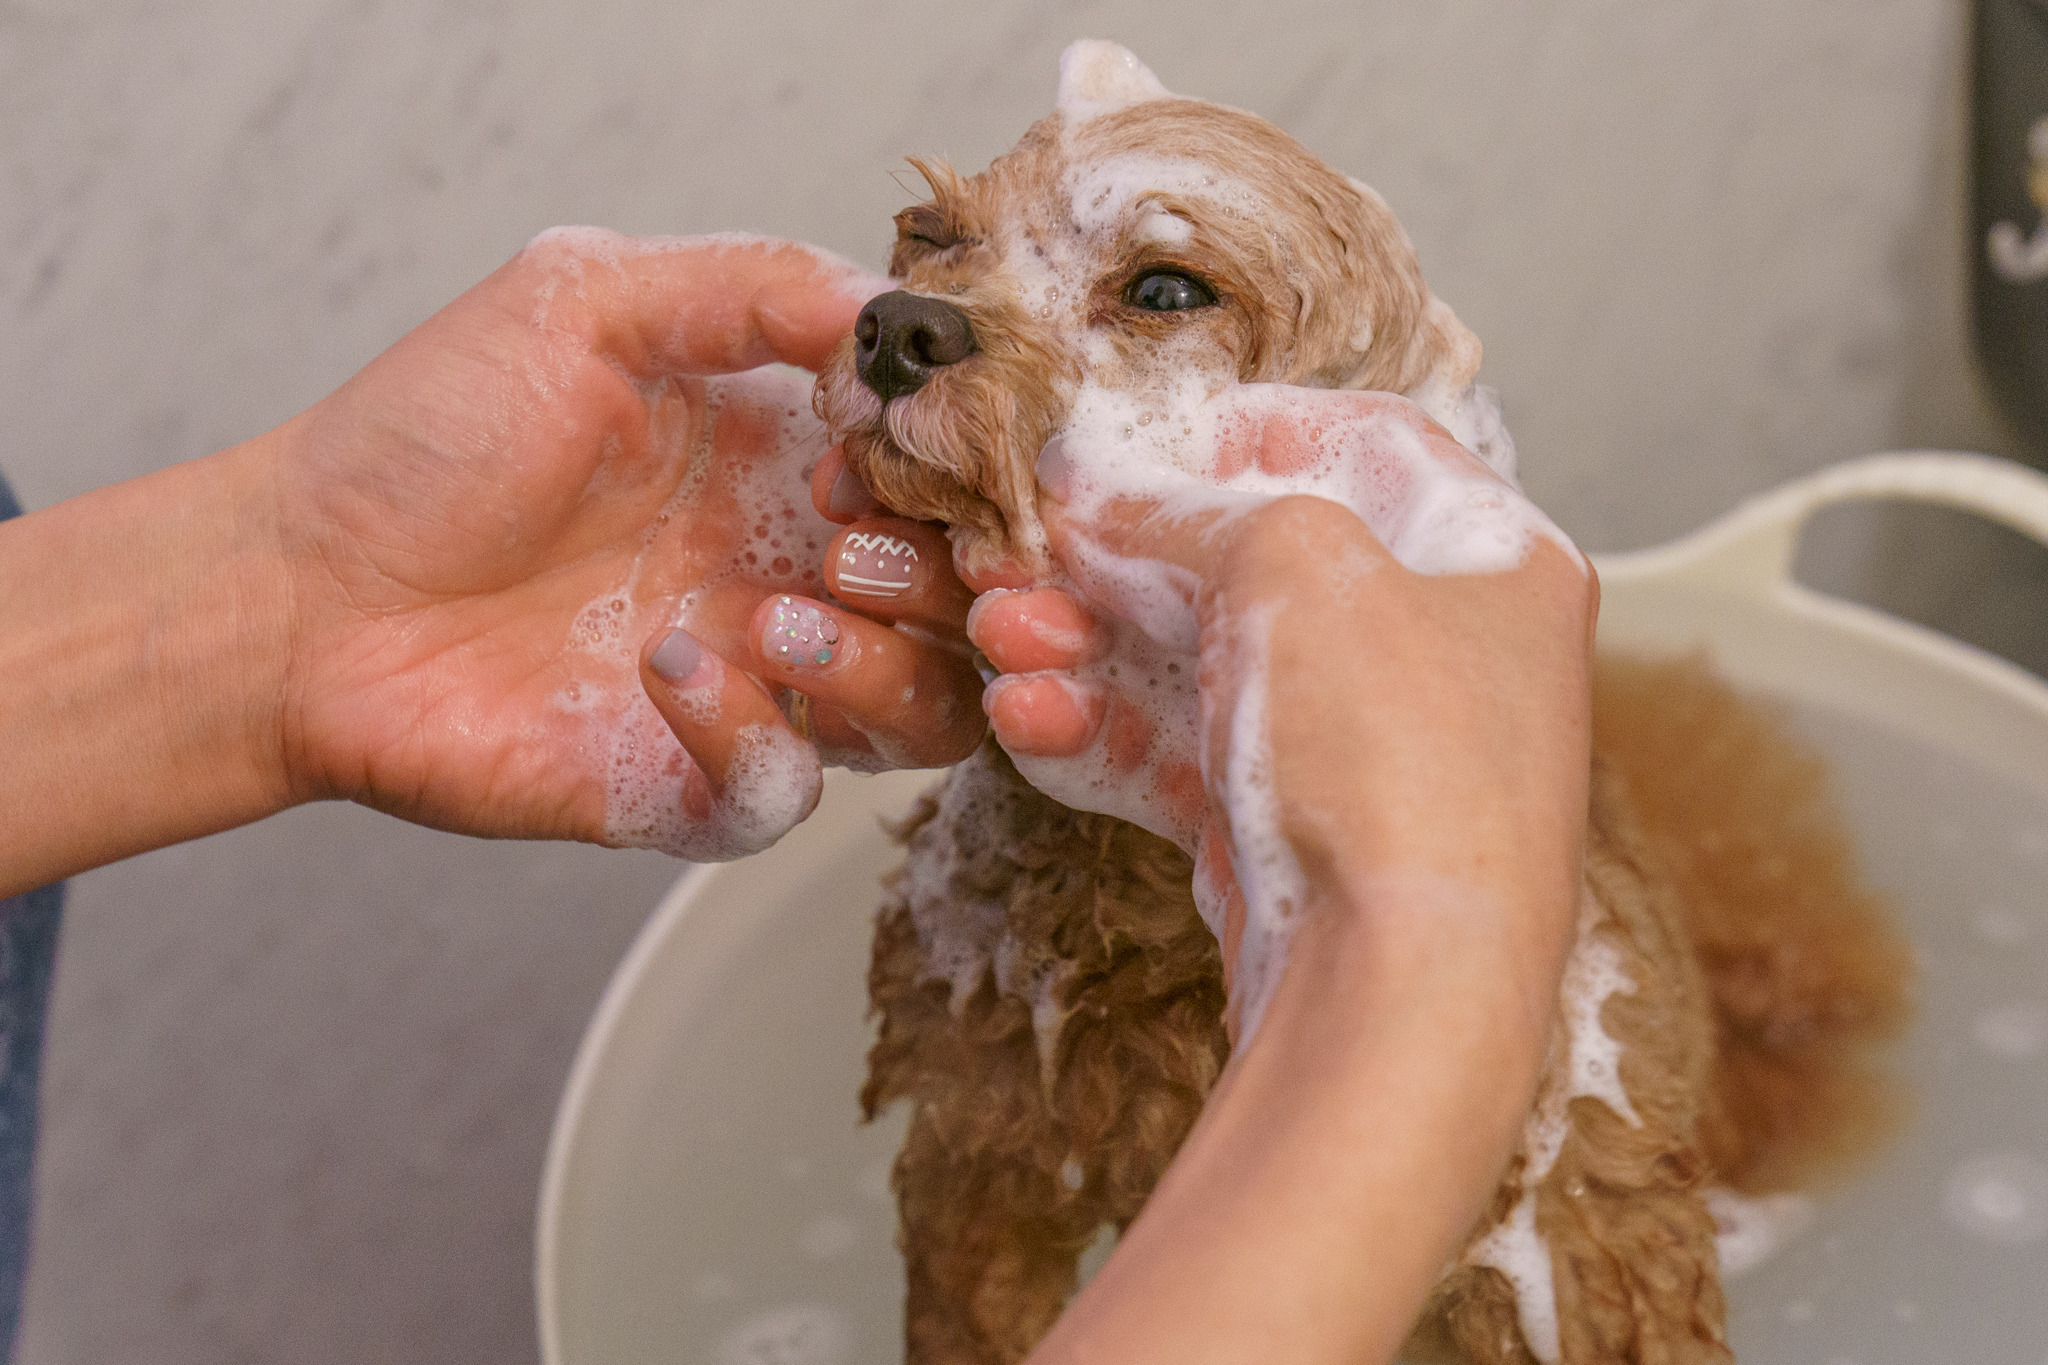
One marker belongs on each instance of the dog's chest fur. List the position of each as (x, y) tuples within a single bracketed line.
[(1050, 1005)]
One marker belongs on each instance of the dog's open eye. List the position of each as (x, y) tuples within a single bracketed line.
[(1168, 291)]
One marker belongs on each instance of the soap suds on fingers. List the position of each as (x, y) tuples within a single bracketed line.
[(654, 796), (1190, 447)]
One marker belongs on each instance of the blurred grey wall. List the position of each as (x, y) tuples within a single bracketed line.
[(300, 1075)]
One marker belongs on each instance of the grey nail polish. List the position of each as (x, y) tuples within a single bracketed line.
[(677, 657)]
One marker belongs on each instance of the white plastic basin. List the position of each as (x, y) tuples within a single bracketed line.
[(710, 1195)]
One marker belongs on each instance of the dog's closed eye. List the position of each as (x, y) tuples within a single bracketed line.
[(928, 227), (1168, 291)]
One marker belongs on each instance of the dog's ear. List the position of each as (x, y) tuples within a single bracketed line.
[(1445, 355), (1098, 77), (1436, 363)]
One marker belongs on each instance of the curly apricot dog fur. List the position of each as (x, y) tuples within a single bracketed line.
[(1050, 1004)]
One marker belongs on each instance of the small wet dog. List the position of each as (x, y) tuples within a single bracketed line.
[(1049, 1001)]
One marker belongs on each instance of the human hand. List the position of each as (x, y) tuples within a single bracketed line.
[(546, 536), (1297, 703), (1382, 773)]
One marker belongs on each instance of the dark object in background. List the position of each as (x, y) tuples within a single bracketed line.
[(2010, 236), (28, 959)]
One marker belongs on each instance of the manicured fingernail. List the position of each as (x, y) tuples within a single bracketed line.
[(876, 565), (676, 657), (1055, 474), (850, 497), (800, 634), (981, 603), (995, 687)]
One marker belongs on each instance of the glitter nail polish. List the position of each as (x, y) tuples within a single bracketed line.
[(800, 634)]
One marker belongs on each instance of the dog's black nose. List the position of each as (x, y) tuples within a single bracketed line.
[(899, 339)]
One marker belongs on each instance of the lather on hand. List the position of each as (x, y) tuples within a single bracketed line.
[(403, 596)]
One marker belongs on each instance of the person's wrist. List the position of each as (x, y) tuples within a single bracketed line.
[(254, 661), (213, 665), (144, 624)]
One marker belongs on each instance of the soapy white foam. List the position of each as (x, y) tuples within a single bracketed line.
[(1593, 975), (771, 785), (1108, 193), (1518, 1251), (800, 1334), (775, 778), (1171, 440), (1749, 1230), (959, 925), (1162, 684), (1178, 442), (1097, 77), (1037, 982), (1166, 229), (1275, 892)]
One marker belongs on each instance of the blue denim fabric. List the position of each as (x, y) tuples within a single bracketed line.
[(28, 959)]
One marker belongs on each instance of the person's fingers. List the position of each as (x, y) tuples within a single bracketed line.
[(706, 702), (1001, 573), (838, 493), (1187, 533), (1045, 715), (1258, 545), (1042, 628), (1288, 431), (899, 571), (699, 305), (1220, 898), (914, 699)]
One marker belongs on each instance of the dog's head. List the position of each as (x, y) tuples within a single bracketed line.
[(1138, 242)]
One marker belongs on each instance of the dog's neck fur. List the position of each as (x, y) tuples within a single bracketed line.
[(1316, 284)]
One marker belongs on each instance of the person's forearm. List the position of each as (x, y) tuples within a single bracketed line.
[(141, 636), (1345, 1154)]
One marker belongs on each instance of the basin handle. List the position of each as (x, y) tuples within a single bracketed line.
[(1750, 550)]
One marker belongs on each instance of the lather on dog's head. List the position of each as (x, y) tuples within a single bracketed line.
[(1140, 242)]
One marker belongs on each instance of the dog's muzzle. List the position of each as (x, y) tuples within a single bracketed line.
[(900, 339)]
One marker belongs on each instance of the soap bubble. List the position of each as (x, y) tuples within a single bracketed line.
[(800, 1334), (2015, 1030), (2001, 1198), (1750, 1230)]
